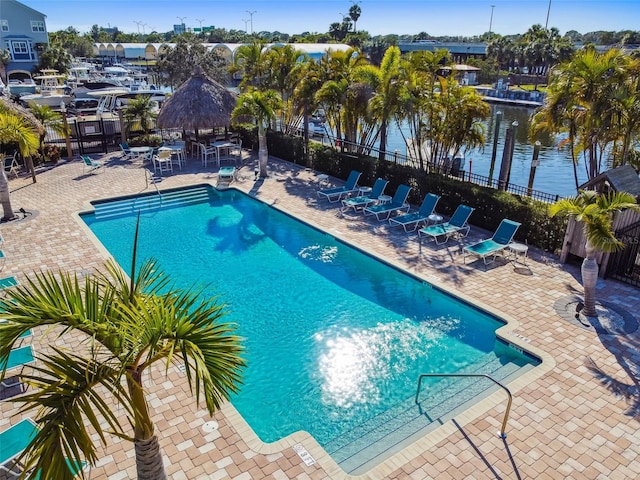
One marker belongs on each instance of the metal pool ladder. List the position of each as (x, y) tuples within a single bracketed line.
[(483, 375)]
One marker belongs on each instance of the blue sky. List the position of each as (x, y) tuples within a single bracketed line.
[(379, 17)]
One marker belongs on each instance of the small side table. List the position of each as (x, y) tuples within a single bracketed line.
[(383, 199), (323, 179), (519, 250), (434, 218), (364, 191)]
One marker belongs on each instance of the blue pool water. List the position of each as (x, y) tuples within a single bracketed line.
[(335, 339)]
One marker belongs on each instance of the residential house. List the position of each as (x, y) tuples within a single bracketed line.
[(23, 32)]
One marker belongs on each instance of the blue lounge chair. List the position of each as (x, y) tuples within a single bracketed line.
[(494, 245), (456, 226), (362, 201), (336, 194), (127, 154), (8, 282), (18, 358), (411, 220), (382, 211), (90, 165), (13, 441)]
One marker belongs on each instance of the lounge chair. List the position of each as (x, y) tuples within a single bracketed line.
[(13, 441), (410, 221), (336, 194), (8, 282), (382, 211), (494, 245), (456, 226), (18, 358), (127, 154), (11, 165), (227, 174), (90, 165), (362, 201)]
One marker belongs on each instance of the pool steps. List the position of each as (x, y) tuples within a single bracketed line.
[(359, 449), (152, 202)]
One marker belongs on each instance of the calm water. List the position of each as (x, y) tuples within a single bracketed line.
[(333, 336), (555, 173)]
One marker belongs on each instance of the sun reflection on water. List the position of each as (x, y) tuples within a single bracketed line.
[(357, 364)]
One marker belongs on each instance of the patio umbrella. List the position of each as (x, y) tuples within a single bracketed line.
[(200, 102)]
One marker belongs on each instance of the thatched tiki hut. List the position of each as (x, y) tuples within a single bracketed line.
[(198, 103)]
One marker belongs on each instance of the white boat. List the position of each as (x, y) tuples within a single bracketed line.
[(113, 99), (19, 82), (316, 127), (51, 92)]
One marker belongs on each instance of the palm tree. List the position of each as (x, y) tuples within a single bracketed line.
[(386, 99), (14, 129), (48, 118), (262, 108), (250, 61), (129, 326), (354, 14), (140, 112), (596, 212)]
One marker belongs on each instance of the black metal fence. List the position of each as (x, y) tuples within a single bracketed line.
[(100, 135), (624, 265), (451, 169)]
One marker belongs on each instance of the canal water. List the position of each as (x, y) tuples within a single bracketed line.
[(553, 175)]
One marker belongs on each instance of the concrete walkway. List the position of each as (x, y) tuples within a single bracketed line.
[(574, 417)]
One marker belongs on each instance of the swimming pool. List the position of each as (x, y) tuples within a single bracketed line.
[(335, 338)]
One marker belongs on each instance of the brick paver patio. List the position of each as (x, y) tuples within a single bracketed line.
[(566, 422)]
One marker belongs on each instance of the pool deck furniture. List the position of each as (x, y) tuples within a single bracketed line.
[(18, 359), (8, 282), (127, 154), (162, 162), (338, 193), (411, 220), (398, 202), (13, 441), (364, 200), (544, 408), (227, 174), (91, 165), (11, 165), (456, 226), (491, 247)]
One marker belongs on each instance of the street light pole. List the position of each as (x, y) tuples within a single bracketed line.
[(200, 22), (251, 18), (546, 24), (491, 21), (246, 22), (138, 23)]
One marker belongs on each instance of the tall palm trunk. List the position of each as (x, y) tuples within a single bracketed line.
[(5, 198), (383, 140), (589, 271), (263, 153), (149, 464)]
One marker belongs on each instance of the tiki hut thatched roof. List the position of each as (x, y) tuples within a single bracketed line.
[(200, 102), (7, 104)]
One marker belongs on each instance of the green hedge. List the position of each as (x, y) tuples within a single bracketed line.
[(491, 205)]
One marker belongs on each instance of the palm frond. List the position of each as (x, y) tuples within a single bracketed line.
[(65, 395)]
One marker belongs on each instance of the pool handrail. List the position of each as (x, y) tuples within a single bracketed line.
[(506, 413)]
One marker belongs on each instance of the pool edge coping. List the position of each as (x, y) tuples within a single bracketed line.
[(413, 450)]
